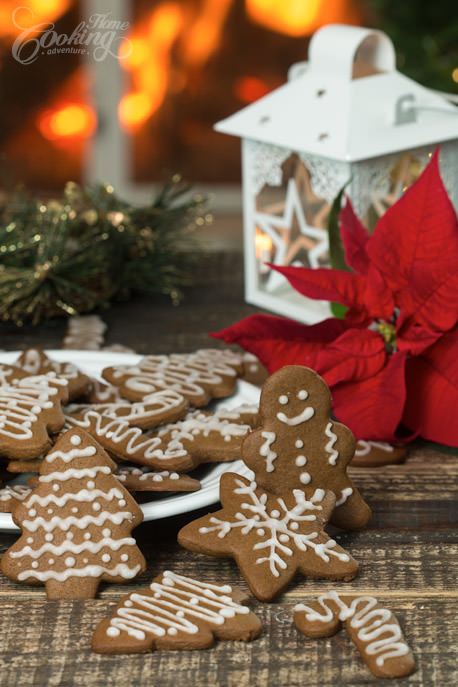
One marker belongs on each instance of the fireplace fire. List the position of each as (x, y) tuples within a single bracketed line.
[(179, 66)]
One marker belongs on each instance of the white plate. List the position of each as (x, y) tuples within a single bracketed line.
[(92, 363)]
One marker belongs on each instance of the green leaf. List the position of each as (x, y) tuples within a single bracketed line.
[(338, 310), (336, 249)]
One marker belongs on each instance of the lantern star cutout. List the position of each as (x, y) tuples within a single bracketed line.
[(271, 537), (286, 240)]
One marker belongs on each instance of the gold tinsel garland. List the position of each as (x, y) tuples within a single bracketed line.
[(89, 248)]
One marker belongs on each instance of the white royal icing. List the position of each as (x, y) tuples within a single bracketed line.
[(332, 460), (266, 450), (21, 403), (306, 414), (384, 639), (344, 495), (172, 606), (364, 447)]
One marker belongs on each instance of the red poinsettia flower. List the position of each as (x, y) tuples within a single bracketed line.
[(393, 359)]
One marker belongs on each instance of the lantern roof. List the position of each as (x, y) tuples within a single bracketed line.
[(347, 102)]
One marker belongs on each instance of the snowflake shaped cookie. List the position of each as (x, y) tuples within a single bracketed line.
[(271, 536)]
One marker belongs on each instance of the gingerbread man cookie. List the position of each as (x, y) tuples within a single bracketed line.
[(374, 630), (298, 444), (271, 537), (176, 612)]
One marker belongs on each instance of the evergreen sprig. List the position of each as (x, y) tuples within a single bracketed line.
[(90, 247)]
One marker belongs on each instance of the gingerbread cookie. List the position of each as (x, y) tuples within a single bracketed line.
[(299, 445), (374, 630), (176, 612), (19, 467), (375, 453), (199, 438), (101, 392), (271, 536), (85, 332), (30, 409), (198, 376), (76, 525), (142, 479), (10, 496), (159, 408), (35, 362)]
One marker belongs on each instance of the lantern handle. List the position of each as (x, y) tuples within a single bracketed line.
[(335, 47)]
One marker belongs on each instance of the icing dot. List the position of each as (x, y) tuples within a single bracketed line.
[(283, 399), (299, 443), (180, 614), (75, 440), (87, 535), (85, 560), (32, 512), (203, 530), (122, 502), (305, 478), (36, 409), (275, 514), (50, 510), (29, 540), (70, 561), (260, 531), (74, 509), (194, 600), (283, 538), (96, 506), (124, 557), (113, 632), (302, 395), (106, 558), (294, 526), (106, 532), (55, 487), (49, 536), (69, 535), (128, 603), (51, 561), (91, 484), (301, 461), (172, 631), (34, 564)]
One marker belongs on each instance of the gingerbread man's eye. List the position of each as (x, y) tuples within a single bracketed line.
[(302, 395), (283, 399)]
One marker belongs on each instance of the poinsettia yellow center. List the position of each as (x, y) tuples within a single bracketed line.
[(388, 332)]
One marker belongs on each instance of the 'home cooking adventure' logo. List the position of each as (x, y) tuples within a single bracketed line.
[(99, 36)]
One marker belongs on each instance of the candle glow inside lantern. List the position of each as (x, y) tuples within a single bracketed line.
[(345, 117)]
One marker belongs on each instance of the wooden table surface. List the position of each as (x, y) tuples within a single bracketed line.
[(408, 554)]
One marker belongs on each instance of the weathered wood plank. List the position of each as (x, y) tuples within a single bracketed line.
[(48, 644)]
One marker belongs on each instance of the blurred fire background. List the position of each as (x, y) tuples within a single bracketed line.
[(190, 63)]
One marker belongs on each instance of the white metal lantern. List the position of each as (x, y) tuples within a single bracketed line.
[(345, 116)]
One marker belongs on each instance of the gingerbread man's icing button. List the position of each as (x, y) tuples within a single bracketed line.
[(298, 443)]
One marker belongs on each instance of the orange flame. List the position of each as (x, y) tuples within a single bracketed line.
[(68, 121), (299, 17), (29, 13)]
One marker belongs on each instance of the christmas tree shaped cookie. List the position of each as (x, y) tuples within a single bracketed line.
[(271, 536), (298, 444), (76, 525)]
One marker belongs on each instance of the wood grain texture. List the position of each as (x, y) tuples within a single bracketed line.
[(408, 554)]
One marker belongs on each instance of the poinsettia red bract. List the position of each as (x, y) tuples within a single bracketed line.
[(394, 357)]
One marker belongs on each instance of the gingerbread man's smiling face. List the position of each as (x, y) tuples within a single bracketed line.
[(296, 396)]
